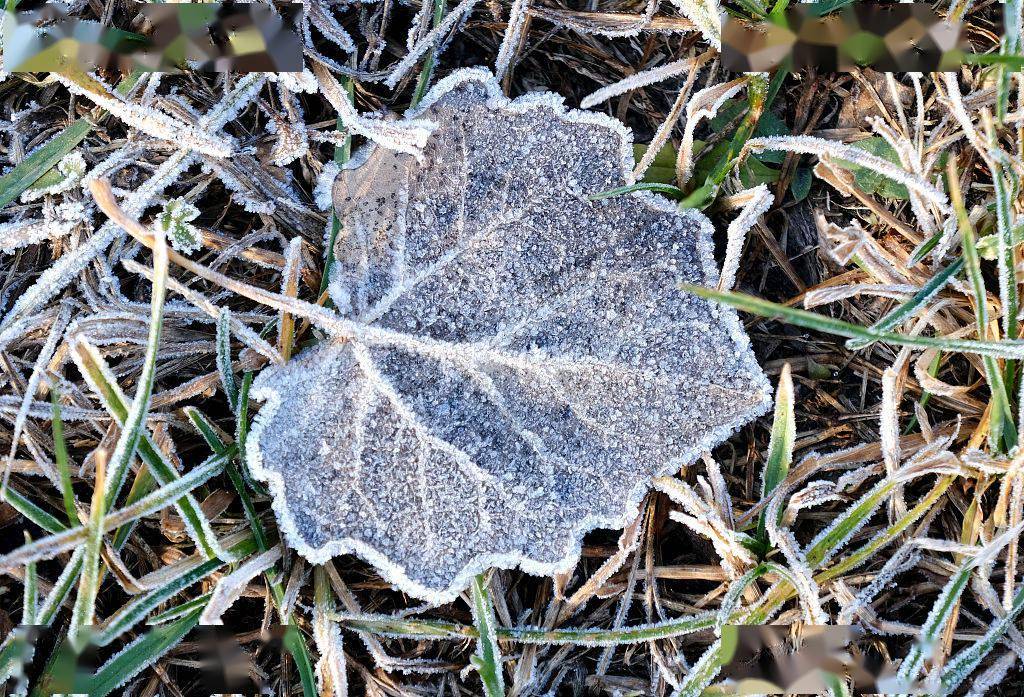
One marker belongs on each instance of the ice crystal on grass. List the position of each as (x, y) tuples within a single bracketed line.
[(57, 221), (175, 221), (518, 362), (71, 169)]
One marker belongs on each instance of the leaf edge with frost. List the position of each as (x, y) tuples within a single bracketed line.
[(395, 573)]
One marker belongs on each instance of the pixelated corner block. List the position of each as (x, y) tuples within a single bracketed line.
[(206, 36), (886, 37), (237, 37)]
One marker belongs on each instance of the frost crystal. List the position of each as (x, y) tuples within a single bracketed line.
[(175, 220), (71, 169), (521, 360)]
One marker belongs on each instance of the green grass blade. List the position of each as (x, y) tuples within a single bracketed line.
[(1007, 271), (165, 496), (296, 646), (921, 251), (829, 541), (342, 153), (936, 622), (963, 664), (1015, 63), (702, 672), (206, 429), (780, 447), (1005, 193), (61, 588), (227, 375), (667, 189), (141, 487), (754, 8), (135, 421), (29, 605), (46, 157), (821, 323), (242, 434), (760, 92), (60, 449), (178, 611), (423, 83), (37, 515), (890, 534), (96, 372), (15, 182), (911, 306), (1011, 45), (139, 655), (487, 659), (139, 608), (294, 642), (251, 515), (1001, 420), (84, 611)]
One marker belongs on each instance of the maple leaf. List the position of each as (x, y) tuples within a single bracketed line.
[(521, 361)]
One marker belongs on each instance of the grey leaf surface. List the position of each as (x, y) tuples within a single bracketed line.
[(522, 361)]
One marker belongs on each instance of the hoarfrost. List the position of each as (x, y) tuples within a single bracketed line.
[(812, 145), (638, 80), (518, 361), (408, 136), (304, 82), (324, 186), (154, 123), (175, 221), (432, 39), (71, 168), (57, 221), (707, 15), (56, 277), (513, 34), (757, 205)]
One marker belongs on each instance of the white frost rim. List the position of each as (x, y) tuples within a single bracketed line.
[(396, 574)]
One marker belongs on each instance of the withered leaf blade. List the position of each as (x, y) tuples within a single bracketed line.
[(523, 363)]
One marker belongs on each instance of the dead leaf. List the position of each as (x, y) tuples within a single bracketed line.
[(521, 361)]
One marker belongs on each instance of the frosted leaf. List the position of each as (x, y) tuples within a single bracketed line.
[(175, 220), (518, 361)]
